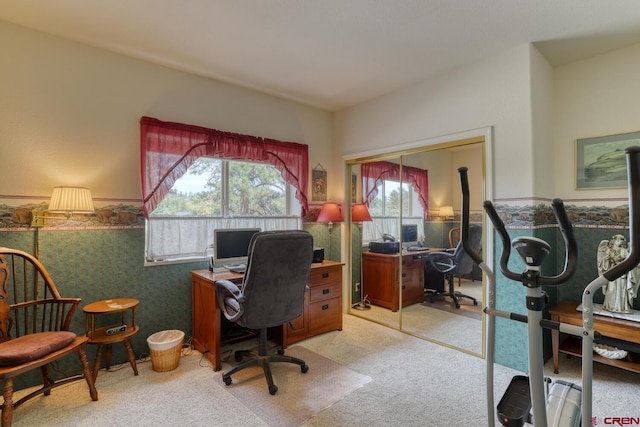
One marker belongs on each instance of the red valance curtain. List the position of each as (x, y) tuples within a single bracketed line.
[(374, 174), (168, 149)]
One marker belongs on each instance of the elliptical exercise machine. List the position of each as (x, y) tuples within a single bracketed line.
[(564, 404)]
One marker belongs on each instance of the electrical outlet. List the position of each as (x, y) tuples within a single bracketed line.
[(358, 287)]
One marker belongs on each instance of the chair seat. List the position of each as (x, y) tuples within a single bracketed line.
[(33, 346)]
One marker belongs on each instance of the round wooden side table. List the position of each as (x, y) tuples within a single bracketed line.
[(113, 333)]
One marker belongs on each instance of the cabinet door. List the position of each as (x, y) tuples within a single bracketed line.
[(205, 330), (380, 280), (412, 281)]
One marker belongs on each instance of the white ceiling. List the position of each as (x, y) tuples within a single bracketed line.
[(332, 53)]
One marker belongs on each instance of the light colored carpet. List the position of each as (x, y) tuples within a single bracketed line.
[(439, 321), (299, 395), (149, 399), (413, 383)]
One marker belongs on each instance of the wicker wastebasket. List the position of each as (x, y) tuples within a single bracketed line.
[(165, 348)]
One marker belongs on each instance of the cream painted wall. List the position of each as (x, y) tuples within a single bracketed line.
[(444, 181), (493, 92), (471, 157), (542, 146), (595, 97), (69, 114)]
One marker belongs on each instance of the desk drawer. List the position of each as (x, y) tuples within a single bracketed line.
[(324, 291), (325, 316), (319, 276)]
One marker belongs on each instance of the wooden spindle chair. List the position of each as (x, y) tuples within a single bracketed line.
[(34, 328)]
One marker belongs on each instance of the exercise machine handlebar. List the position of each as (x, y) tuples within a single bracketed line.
[(464, 219), (633, 177), (571, 252)]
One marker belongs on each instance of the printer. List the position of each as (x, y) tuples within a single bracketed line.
[(385, 247)]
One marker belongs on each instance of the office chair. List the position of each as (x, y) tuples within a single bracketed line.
[(453, 263), (454, 239), (271, 294)]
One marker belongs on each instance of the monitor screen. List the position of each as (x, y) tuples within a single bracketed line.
[(409, 233), (232, 246)]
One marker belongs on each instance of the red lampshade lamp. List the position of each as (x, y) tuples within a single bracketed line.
[(330, 213), (360, 213)]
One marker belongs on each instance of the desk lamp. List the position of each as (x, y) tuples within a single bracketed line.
[(330, 213), (360, 213), (445, 212), (67, 200)]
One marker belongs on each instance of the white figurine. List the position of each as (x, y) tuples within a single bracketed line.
[(619, 294)]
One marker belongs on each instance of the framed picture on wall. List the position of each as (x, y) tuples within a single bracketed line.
[(601, 162), (319, 184), (354, 187)]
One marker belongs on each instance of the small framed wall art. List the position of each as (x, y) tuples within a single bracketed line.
[(601, 161), (319, 184)]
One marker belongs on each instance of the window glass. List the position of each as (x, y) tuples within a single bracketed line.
[(256, 190), (217, 193), (387, 201), (385, 210), (197, 193)]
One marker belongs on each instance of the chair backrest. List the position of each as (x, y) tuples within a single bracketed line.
[(464, 263), (454, 237), (276, 277), (29, 299)]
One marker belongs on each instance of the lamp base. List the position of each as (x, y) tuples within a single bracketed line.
[(361, 306)]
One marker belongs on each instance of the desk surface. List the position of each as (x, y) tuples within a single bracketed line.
[(405, 252), (224, 274)]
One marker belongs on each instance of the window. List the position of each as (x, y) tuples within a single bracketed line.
[(196, 179), (385, 211), (216, 193), (383, 193)]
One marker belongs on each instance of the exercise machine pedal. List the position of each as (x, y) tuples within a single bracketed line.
[(514, 408)]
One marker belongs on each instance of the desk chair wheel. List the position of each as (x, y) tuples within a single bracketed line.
[(237, 356), (273, 389), (304, 368), (227, 379), (280, 352)]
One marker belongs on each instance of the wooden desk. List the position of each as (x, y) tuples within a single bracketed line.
[(322, 310), (625, 330), (381, 278)]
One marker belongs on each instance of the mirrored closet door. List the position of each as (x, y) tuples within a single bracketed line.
[(412, 203)]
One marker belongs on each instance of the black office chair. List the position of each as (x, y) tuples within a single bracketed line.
[(271, 294), (452, 264)]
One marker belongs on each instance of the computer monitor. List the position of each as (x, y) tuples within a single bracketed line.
[(409, 233), (231, 246)]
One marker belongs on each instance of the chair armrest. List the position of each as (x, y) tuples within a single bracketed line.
[(443, 262), (226, 285), (226, 294)]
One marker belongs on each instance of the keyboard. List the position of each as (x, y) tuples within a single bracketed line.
[(240, 268), (417, 248)]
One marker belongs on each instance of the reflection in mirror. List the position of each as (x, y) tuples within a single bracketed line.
[(407, 199), (374, 285)]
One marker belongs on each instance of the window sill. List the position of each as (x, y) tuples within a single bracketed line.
[(175, 261)]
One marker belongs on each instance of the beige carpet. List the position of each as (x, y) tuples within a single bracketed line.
[(193, 394), (413, 383), (299, 396)]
